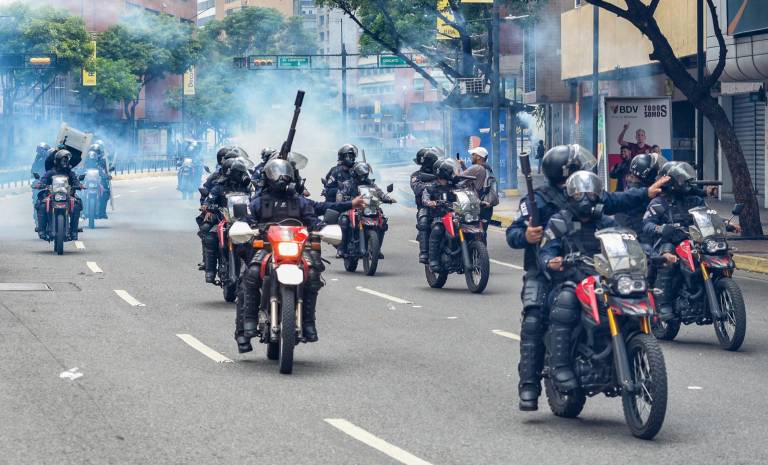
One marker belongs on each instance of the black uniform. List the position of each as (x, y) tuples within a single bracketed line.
[(333, 180), (443, 193), (347, 191), (217, 198), (423, 220), (42, 214)]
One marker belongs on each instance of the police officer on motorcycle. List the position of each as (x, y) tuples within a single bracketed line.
[(420, 179), (435, 197), (662, 223), (558, 163), (61, 167), (95, 160), (584, 192), (341, 172)]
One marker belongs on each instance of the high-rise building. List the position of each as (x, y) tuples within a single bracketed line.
[(225, 8), (206, 11)]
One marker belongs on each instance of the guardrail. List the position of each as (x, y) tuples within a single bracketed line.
[(21, 176)]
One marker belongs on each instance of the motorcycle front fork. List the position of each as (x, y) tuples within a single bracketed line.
[(620, 357)]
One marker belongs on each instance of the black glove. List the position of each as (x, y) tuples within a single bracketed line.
[(667, 231)]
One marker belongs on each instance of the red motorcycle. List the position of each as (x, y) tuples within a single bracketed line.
[(284, 272), (707, 295), (613, 351), (366, 226)]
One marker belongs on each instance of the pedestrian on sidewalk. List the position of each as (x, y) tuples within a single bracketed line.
[(540, 151)]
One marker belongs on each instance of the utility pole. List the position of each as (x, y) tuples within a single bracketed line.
[(344, 86), (495, 103), (595, 76), (700, 59)]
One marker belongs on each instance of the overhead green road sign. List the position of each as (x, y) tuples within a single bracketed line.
[(293, 62), (391, 61)]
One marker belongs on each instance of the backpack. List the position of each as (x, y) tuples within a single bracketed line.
[(490, 189)]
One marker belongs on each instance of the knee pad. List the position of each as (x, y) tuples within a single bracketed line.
[(565, 306), (534, 293), (533, 323), (251, 275), (315, 281)]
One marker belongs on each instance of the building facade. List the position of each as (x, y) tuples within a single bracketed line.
[(225, 8)]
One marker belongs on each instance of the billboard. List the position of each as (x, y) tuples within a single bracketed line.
[(636, 124), (746, 17)]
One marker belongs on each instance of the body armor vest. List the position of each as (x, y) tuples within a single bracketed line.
[(554, 200), (274, 209)]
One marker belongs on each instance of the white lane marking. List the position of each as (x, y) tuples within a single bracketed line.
[(695, 388), (506, 334), (71, 374), (128, 298), (151, 188), (94, 267), (416, 306), (132, 192), (452, 318), (373, 441), (508, 265), (413, 242), (383, 295), (116, 196), (79, 245), (203, 349), (334, 279)]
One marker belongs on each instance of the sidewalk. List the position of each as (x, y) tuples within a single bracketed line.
[(749, 255)]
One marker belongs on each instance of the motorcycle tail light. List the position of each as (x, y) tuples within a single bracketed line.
[(288, 249), (258, 244)]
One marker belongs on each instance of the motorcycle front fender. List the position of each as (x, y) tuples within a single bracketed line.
[(289, 275)]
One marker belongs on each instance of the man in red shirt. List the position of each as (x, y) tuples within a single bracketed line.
[(636, 148)]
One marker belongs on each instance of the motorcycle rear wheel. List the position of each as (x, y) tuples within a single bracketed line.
[(435, 280), (564, 405), (644, 411), (665, 330), (350, 264), (730, 331), (371, 259), (58, 245), (92, 214), (477, 277), (287, 329)]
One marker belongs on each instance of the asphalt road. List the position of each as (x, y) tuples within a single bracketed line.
[(86, 377)]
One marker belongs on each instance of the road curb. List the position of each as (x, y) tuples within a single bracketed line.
[(504, 219), (751, 263)]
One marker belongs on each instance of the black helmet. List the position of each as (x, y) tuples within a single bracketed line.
[(644, 168), (682, 176), (664, 170), (267, 152), (361, 171), (585, 192), (279, 175), (61, 159), (347, 155), (420, 156), (430, 156), (220, 154), (447, 169), (237, 171), (563, 160), (97, 148), (43, 148)]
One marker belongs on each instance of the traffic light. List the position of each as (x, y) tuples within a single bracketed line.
[(261, 62), (40, 61)]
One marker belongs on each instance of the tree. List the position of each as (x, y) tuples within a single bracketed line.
[(152, 46), (641, 16), (116, 83), (248, 31), (402, 26), (294, 39)]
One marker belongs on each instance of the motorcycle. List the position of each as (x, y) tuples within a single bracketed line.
[(229, 264), (613, 352), (708, 294), (463, 249), (93, 193), (366, 226), (283, 276), (187, 183), (59, 203)]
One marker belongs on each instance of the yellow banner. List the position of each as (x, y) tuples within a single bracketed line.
[(444, 31), (89, 79), (189, 81)]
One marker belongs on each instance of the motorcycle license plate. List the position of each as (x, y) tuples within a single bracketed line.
[(291, 275), (60, 205), (370, 221)]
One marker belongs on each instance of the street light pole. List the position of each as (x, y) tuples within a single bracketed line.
[(595, 76), (700, 78), (495, 100)]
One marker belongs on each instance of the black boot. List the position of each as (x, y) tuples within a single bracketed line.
[(529, 370), (211, 262), (560, 359), (243, 343), (308, 317), (423, 240), (665, 280)]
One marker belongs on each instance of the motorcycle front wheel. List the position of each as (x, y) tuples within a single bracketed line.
[(435, 280), (665, 330), (350, 263), (731, 330), (645, 409), (371, 258), (477, 277), (91, 214), (287, 329), (58, 245)]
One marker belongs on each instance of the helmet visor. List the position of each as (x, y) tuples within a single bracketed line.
[(584, 183), (274, 170), (681, 173), (453, 165), (582, 158)]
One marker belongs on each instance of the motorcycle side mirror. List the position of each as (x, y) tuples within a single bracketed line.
[(36, 176), (207, 170), (737, 209), (331, 234), (81, 177), (331, 216), (240, 232), (558, 226), (390, 188)]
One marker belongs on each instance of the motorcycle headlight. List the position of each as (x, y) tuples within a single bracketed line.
[(59, 197), (626, 285), (713, 246), (470, 218), (288, 249)]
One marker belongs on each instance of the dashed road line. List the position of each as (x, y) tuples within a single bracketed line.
[(94, 267), (508, 265), (203, 349), (413, 242), (79, 245), (506, 334), (383, 295), (128, 298), (151, 188), (377, 443), (116, 196)]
